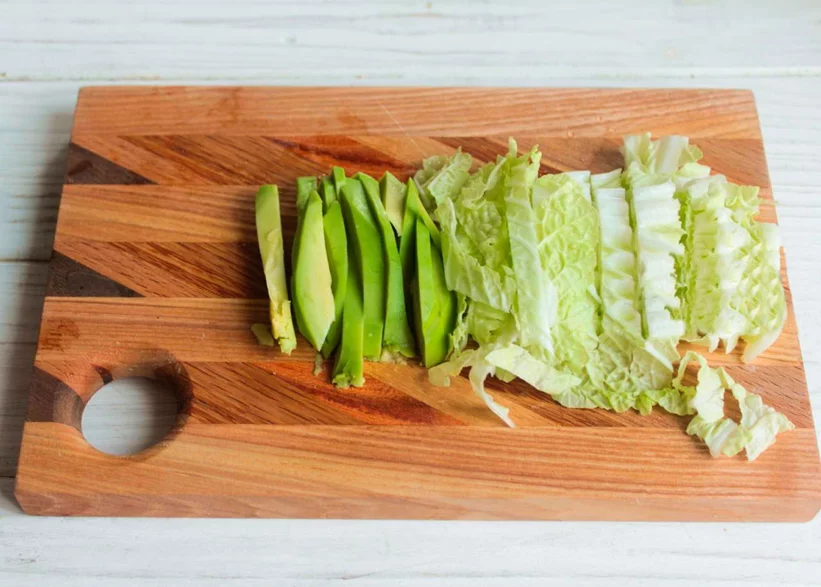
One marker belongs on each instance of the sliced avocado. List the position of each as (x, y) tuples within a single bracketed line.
[(413, 210), (448, 303), (327, 191), (397, 336), (407, 243), (336, 245), (269, 235), (348, 367), (393, 199), (304, 187), (263, 334), (339, 179), (434, 305), (365, 245), (312, 285), (414, 204)]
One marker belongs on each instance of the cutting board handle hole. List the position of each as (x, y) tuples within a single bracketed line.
[(129, 415)]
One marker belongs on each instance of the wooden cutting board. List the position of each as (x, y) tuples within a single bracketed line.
[(156, 272)]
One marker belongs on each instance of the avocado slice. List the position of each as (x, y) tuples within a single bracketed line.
[(413, 210), (414, 204), (327, 191), (407, 242), (336, 245), (365, 244), (269, 235), (339, 178), (348, 367), (304, 187), (311, 285), (434, 304), (393, 199), (397, 336)]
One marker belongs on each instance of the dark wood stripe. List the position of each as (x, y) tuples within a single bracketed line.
[(347, 152), (290, 394), (174, 270), (51, 400), (85, 167), (68, 277)]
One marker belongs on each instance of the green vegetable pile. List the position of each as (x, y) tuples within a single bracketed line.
[(367, 279), (580, 285)]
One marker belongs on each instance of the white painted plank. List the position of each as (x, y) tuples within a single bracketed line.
[(22, 286), (34, 551), (440, 39), (35, 123)]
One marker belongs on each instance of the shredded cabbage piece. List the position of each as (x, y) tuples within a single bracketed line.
[(582, 285)]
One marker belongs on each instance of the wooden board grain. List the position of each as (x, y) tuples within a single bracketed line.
[(156, 272)]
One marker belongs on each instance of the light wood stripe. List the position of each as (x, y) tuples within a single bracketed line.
[(419, 472), (414, 111)]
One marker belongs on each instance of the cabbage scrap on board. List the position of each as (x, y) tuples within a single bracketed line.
[(759, 424)]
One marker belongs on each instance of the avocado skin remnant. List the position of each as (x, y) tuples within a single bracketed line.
[(269, 236)]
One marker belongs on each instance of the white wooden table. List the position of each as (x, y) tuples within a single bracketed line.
[(49, 49)]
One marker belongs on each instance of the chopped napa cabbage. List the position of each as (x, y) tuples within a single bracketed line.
[(475, 239), (768, 316), (708, 399), (442, 177), (657, 235), (540, 374), (478, 374), (722, 437), (618, 287), (733, 289), (464, 272), (666, 157), (536, 300), (759, 424), (568, 228), (623, 373), (620, 275)]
